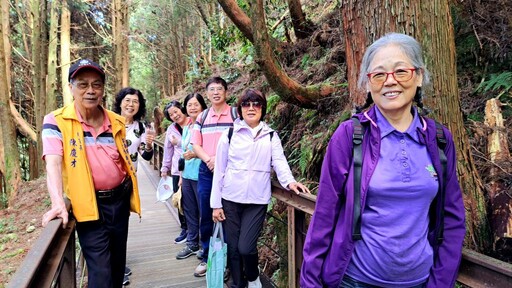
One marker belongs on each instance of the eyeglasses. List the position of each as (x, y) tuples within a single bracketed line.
[(85, 85), (213, 89), (400, 75), (254, 104)]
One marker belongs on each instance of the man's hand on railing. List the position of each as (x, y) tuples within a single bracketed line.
[(57, 211), (298, 187)]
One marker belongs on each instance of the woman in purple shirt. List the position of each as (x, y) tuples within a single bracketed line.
[(400, 180), (241, 184)]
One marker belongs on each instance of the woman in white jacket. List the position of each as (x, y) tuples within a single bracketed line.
[(241, 184)]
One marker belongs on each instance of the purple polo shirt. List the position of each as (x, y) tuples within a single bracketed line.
[(395, 251)]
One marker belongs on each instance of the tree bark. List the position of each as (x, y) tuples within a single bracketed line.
[(499, 198), (65, 52), (289, 90), (38, 79), (51, 94), (9, 154), (301, 26), (431, 24)]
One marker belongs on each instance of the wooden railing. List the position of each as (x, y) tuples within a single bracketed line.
[(51, 261)]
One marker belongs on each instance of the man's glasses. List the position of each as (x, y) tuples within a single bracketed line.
[(254, 104), (85, 85), (213, 89), (400, 75)]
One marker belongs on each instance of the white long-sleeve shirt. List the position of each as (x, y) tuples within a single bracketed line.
[(242, 167)]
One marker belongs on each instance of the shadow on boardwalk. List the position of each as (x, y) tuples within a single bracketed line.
[(151, 250)]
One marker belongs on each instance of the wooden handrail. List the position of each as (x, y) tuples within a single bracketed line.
[(50, 260)]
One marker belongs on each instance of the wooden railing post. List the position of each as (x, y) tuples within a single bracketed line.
[(292, 253), (296, 228), (67, 277)]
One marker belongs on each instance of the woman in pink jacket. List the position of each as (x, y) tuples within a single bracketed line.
[(241, 184)]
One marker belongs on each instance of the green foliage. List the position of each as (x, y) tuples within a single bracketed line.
[(476, 116), (13, 253), (306, 154), (304, 63), (7, 225), (501, 83), (272, 102)]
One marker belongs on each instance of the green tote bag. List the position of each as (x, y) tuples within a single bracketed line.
[(217, 258)]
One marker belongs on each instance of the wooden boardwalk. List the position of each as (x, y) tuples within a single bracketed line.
[(151, 250)]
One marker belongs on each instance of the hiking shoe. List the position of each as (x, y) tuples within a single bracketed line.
[(127, 271), (187, 252), (200, 270), (126, 280), (200, 254), (182, 238)]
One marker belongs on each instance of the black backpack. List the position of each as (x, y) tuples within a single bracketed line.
[(357, 156)]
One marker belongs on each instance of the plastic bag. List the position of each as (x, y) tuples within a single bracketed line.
[(165, 189), (217, 258)]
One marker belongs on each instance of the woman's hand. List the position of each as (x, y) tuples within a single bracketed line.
[(218, 215), (163, 175), (298, 187), (174, 140), (149, 140), (189, 154)]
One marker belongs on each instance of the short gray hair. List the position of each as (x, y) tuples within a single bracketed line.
[(406, 43)]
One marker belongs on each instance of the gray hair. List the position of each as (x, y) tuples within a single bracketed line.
[(409, 47)]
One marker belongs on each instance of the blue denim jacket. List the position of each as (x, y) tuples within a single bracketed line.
[(329, 245)]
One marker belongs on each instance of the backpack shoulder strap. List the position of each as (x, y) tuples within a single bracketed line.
[(234, 113), (141, 128), (441, 145), (357, 158), (203, 117), (230, 134)]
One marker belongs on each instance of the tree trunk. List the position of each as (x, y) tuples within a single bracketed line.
[(51, 96), (65, 57), (289, 90), (38, 76), (366, 21), (125, 44), (499, 198), (301, 26), (117, 28), (9, 154)]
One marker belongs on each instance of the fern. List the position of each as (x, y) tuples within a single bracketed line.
[(501, 83)]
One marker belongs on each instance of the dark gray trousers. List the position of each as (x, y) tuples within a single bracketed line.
[(242, 228)]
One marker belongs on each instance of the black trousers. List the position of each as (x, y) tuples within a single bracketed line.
[(103, 242), (242, 228)]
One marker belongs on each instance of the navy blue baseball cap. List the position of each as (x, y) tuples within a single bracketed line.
[(85, 64)]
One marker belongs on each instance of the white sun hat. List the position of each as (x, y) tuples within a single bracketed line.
[(165, 189)]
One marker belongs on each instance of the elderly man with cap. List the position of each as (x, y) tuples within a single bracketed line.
[(87, 160)]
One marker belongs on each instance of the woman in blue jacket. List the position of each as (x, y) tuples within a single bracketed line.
[(400, 180)]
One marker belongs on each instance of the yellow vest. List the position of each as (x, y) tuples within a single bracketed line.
[(76, 174)]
